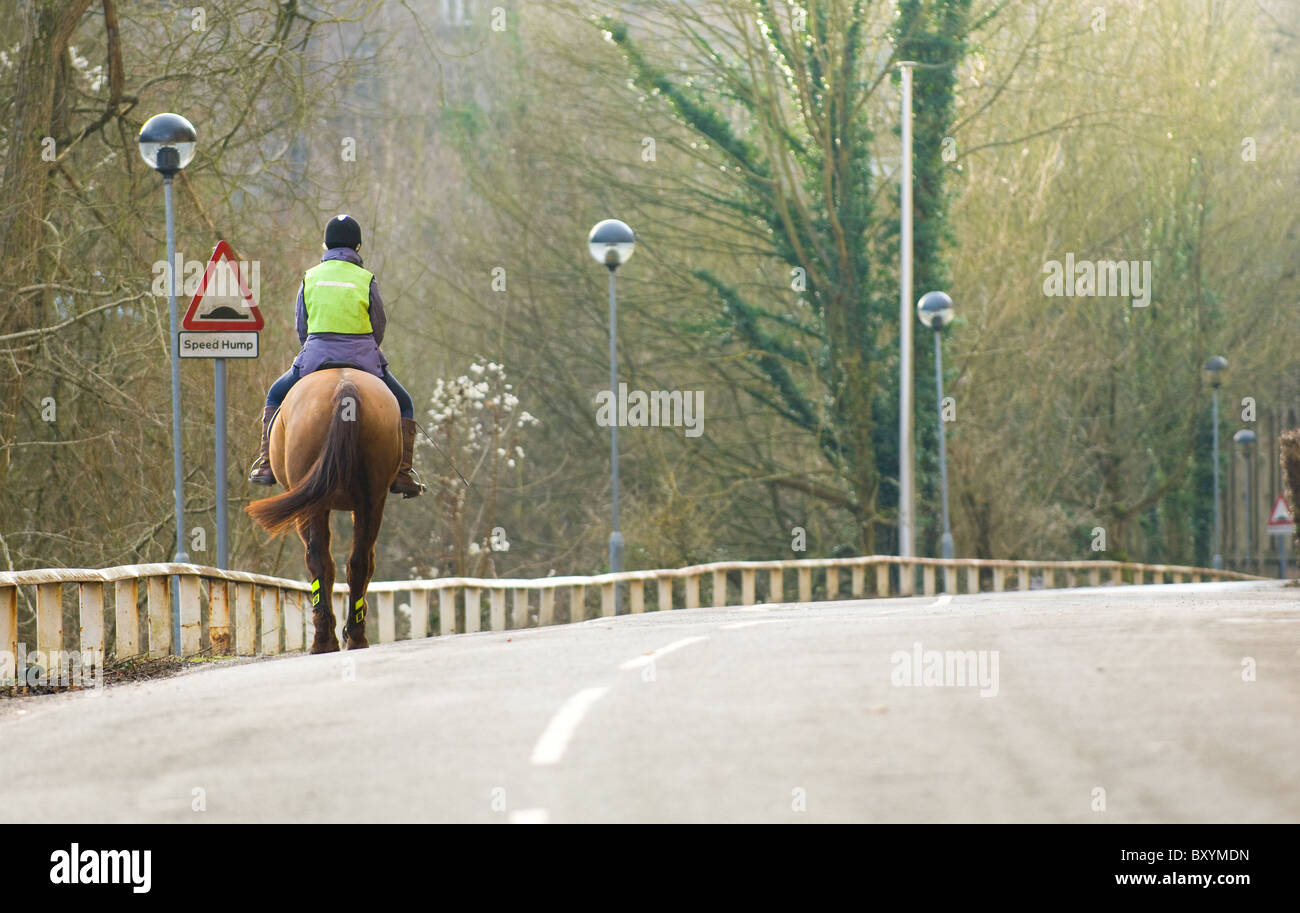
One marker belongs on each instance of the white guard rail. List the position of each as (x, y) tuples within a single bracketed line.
[(236, 613)]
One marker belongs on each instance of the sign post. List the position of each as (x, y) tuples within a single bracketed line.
[(1281, 525), (226, 326)]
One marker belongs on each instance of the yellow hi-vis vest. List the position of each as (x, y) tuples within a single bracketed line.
[(336, 294)]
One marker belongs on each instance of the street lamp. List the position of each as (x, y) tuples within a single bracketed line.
[(1214, 373), (935, 310), (1245, 437), (611, 243), (167, 145)]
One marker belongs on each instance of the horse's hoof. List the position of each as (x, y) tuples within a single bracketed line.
[(356, 637), (329, 646)]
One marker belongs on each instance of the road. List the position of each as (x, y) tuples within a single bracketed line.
[(1114, 704)]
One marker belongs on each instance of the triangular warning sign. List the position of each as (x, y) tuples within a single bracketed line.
[(1279, 515), (223, 293)]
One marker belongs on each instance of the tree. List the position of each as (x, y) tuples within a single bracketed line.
[(804, 186), (84, 389)]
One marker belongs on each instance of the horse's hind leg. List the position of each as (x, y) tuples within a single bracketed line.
[(315, 534), (361, 566)]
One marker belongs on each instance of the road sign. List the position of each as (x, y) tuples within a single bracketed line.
[(223, 301), (219, 345), (223, 321), (1279, 519)]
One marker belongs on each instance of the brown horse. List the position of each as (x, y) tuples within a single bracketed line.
[(336, 444)]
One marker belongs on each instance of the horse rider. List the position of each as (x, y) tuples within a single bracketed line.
[(341, 321)]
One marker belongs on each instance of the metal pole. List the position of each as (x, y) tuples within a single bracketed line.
[(905, 548), (1217, 563), (219, 388), (615, 537), (1281, 556), (946, 543), (1245, 456), (178, 470)]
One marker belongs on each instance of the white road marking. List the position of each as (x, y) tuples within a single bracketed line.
[(555, 738), (749, 624), (941, 601), (530, 816), (648, 658)]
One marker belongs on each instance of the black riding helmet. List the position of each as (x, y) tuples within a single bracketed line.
[(342, 231)]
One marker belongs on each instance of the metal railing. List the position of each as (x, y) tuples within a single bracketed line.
[(219, 612), (236, 613)]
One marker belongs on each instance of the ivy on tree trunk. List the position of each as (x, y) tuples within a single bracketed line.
[(829, 366)]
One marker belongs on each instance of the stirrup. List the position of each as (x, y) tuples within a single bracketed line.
[(415, 477), (255, 473)]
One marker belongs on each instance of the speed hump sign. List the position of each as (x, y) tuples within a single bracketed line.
[(223, 320), (1280, 522)]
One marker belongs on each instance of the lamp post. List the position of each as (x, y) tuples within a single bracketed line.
[(1214, 372), (1245, 437), (611, 243), (167, 145), (935, 311), (905, 526)]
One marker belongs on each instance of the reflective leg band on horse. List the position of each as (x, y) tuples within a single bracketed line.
[(361, 610)]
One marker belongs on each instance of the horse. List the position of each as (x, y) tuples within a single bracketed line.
[(336, 445)]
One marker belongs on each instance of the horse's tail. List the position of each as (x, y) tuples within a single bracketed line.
[(335, 468)]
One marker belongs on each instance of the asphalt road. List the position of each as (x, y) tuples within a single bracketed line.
[(784, 713)]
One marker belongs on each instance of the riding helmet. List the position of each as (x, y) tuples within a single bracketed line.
[(343, 231)]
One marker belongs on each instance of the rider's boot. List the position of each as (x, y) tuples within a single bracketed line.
[(407, 484), (262, 473)]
